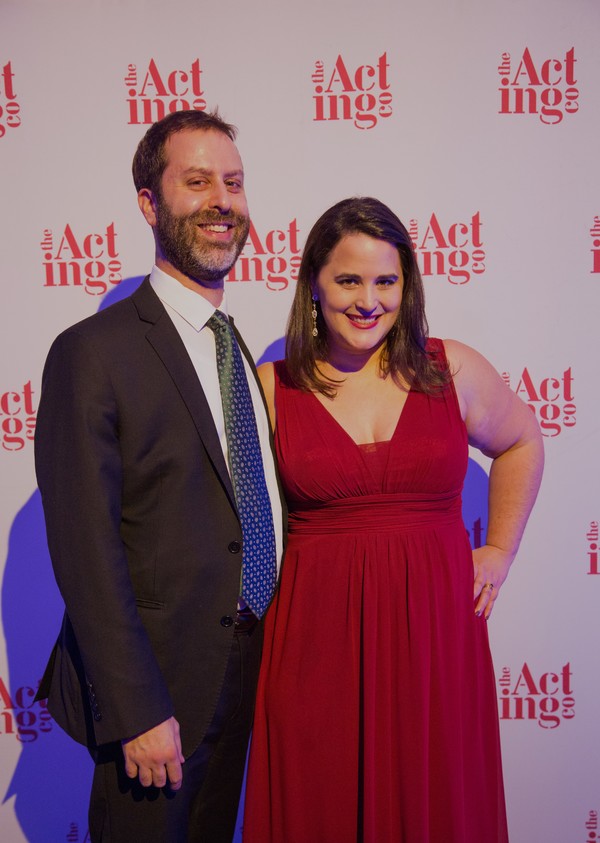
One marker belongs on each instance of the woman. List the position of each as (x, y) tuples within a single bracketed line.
[(376, 716)]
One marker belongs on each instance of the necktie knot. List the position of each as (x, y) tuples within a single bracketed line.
[(218, 321)]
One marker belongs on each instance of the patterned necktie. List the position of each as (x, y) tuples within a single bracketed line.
[(259, 566)]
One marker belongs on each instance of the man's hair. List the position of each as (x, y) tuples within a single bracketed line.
[(149, 161), (405, 355)]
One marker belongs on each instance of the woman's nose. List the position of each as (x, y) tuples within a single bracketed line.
[(367, 300)]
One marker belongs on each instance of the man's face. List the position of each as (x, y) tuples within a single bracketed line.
[(201, 216)]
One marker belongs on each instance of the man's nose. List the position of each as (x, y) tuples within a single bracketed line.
[(219, 197)]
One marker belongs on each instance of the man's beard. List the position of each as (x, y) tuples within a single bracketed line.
[(192, 254)]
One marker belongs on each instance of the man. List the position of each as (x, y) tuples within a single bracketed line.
[(156, 664)]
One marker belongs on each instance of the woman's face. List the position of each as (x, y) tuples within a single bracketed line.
[(360, 293)]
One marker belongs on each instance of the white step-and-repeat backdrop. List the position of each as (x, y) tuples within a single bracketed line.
[(479, 124)]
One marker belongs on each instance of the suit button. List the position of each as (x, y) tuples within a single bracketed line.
[(97, 716), (226, 620), (235, 547)]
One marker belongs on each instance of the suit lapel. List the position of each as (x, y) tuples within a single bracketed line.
[(164, 338)]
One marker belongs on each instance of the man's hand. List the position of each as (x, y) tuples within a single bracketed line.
[(155, 756)]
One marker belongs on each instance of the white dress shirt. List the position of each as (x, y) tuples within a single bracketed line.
[(189, 312)]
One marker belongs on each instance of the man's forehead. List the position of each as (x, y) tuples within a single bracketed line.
[(202, 150), (201, 139)]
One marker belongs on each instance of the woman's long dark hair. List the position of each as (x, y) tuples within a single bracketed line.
[(404, 355)]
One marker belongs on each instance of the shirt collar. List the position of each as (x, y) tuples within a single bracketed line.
[(191, 306)]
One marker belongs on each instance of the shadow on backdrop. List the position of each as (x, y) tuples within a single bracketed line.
[(52, 777)]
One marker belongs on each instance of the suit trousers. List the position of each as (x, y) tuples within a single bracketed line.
[(205, 809)]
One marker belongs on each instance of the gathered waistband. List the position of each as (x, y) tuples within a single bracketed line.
[(377, 513)]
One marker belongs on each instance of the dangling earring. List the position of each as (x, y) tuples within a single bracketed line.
[(314, 316)]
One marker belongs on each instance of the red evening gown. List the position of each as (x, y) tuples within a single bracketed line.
[(376, 715)]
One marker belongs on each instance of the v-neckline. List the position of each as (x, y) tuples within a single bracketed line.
[(345, 432)]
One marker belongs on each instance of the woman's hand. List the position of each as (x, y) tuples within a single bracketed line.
[(491, 566)]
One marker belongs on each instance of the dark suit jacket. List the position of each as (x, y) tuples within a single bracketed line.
[(142, 528)]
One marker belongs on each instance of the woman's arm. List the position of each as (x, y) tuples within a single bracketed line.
[(266, 373), (505, 429)]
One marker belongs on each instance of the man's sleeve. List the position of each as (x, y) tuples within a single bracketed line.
[(79, 472)]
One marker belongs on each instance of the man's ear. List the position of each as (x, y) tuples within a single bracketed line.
[(147, 205)]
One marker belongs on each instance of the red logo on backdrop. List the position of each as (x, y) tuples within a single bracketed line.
[(591, 826), (152, 95), (547, 88), (273, 259), (89, 261), (592, 540), (546, 699), (17, 418), (361, 95), (552, 400), (10, 109), (453, 251), (476, 533), (595, 233), (21, 717)]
